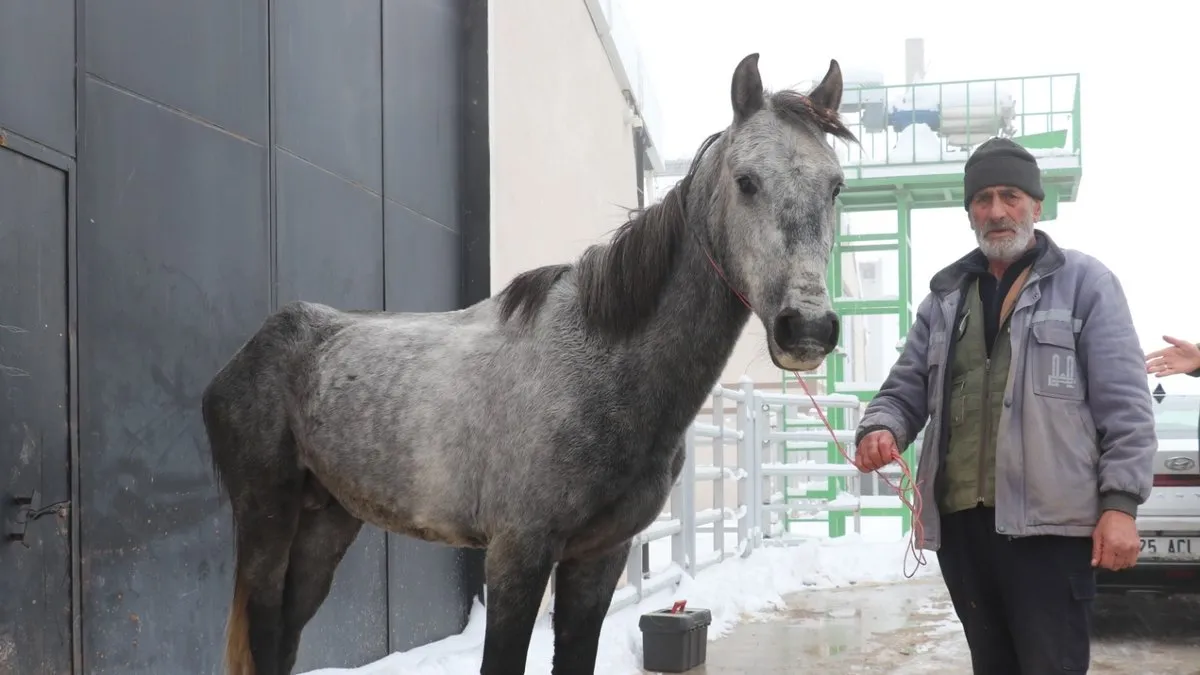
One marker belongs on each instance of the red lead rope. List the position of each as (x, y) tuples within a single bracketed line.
[(906, 487)]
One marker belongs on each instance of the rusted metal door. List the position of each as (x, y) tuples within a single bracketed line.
[(35, 513)]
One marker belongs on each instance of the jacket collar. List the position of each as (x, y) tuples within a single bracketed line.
[(952, 277)]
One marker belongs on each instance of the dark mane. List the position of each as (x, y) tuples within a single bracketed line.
[(528, 290), (799, 109), (619, 283)]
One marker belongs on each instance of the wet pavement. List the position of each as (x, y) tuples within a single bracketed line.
[(910, 629)]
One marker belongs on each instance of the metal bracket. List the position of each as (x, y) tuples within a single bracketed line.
[(29, 509)]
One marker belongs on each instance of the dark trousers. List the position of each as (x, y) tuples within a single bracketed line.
[(1024, 602)]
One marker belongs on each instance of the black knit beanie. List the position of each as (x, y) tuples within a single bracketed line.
[(999, 161)]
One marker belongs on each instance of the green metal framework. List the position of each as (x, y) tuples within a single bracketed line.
[(914, 142)]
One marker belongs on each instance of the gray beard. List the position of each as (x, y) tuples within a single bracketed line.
[(1005, 250)]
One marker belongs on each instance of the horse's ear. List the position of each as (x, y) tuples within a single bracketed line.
[(828, 94), (747, 89)]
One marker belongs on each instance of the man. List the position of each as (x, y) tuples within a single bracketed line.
[(1024, 360), (1180, 357)]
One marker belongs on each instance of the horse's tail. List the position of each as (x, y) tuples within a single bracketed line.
[(238, 660)]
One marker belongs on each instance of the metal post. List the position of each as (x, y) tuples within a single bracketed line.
[(678, 547), (688, 518), (718, 461), (768, 454), (745, 459), (762, 445), (633, 570)]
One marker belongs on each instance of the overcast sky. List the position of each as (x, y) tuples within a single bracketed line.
[(1139, 100)]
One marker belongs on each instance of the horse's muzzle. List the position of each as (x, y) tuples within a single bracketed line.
[(802, 339)]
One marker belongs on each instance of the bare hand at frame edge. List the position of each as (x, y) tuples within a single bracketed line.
[(1180, 357)]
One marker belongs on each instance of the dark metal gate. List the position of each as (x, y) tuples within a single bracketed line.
[(35, 582), (170, 172)]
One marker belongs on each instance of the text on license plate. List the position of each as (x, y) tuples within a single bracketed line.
[(1163, 548)]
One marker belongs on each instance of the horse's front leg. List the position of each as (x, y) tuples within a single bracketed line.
[(518, 570), (583, 591)]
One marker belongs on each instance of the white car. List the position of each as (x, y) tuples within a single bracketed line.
[(1169, 521)]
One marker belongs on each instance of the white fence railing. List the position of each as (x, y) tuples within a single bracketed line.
[(751, 421), (754, 521)]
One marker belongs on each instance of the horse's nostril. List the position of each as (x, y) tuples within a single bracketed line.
[(791, 329), (788, 328), (835, 329)]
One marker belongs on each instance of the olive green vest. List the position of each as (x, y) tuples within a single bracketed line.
[(975, 401)]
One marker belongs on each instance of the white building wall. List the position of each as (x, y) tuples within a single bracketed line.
[(562, 154)]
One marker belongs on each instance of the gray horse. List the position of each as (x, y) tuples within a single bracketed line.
[(584, 376)]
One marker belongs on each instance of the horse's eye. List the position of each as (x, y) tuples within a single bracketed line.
[(746, 185), (837, 190)]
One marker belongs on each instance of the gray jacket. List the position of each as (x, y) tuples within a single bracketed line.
[(1077, 428)]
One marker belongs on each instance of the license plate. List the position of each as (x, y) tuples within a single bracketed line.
[(1170, 548)]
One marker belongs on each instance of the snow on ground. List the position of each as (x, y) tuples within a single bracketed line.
[(733, 591)]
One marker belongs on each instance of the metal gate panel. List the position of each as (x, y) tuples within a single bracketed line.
[(35, 587), (423, 262), (327, 63), (329, 251), (422, 106), (213, 183), (328, 167), (174, 276), (37, 52), (207, 58), (330, 238)]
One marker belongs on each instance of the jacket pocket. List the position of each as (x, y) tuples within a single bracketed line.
[(1060, 451), (1061, 466), (1054, 364)]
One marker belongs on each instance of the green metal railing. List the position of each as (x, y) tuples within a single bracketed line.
[(939, 122)]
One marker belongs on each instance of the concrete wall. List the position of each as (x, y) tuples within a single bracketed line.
[(563, 169)]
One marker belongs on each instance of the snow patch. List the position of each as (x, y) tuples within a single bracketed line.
[(736, 590)]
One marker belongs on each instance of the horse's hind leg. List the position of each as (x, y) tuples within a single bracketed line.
[(583, 591), (517, 570), (266, 523), (322, 539)]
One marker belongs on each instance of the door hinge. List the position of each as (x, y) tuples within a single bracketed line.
[(29, 508)]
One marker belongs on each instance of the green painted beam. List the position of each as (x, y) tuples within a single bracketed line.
[(943, 191), (856, 307)]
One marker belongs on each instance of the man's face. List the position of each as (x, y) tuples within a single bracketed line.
[(1002, 218)]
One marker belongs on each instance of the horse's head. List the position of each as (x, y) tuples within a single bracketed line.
[(773, 213)]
